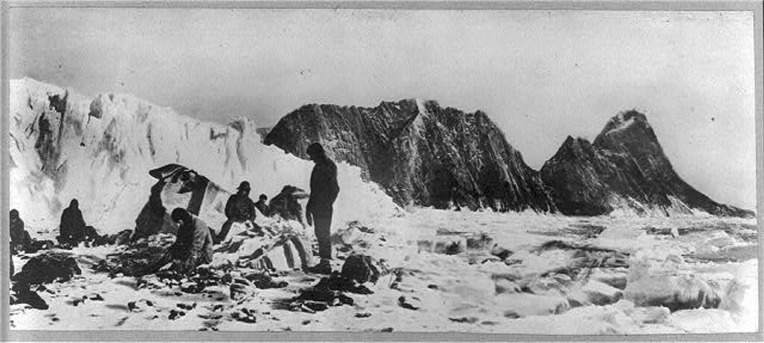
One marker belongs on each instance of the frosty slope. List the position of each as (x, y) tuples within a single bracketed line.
[(460, 271)]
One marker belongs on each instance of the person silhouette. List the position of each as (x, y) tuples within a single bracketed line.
[(323, 192), (72, 227)]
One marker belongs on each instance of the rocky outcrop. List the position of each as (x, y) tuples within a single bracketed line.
[(421, 153), (625, 168)]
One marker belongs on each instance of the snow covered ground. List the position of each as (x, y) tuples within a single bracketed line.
[(452, 278), (446, 270)]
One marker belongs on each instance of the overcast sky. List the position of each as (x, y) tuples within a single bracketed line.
[(540, 75)]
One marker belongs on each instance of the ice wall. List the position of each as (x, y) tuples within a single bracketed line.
[(100, 151)]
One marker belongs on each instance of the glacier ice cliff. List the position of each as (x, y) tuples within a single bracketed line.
[(64, 145)]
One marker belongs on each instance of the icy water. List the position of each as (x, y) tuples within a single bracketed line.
[(467, 272)]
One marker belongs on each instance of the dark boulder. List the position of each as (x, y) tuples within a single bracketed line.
[(48, 267), (410, 303), (329, 291), (339, 283), (319, 299), (264, 281), (23, 295), (361, 269)]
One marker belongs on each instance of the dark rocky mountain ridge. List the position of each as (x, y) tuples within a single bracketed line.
[(624, 168), (421, 153), (426, 155)]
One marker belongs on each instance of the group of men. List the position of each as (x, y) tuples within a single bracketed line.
[(194, 240), (241, 209), (193, 244), (72, 230)]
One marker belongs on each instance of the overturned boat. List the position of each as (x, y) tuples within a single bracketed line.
[(267, 244)]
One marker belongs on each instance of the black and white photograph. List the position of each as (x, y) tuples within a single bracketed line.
[(433, 168)]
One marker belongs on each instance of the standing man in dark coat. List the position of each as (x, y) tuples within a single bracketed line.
[(323, 192), (72, 227), (239, 208)]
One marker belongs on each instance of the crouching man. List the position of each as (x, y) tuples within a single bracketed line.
[(192, 247), (239, 209)]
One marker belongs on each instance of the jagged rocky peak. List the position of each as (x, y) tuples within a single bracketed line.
[(421, 153), (570, 175), (625, 120), (625, 169), (630, 132), (578, 147)]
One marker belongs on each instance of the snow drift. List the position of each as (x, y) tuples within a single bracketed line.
[(64, 145)]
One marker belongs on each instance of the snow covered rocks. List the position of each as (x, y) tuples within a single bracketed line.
[(668, 283), (516, 305), (739, 296), (265, 281), (673, 292), (358, 271), (356, 237), (48, 267), (22, 294), (614, 277), (595, 293), (319, 298), (361, 269)]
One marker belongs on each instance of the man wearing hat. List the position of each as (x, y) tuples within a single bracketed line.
[(239, 209), (323, 192)]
